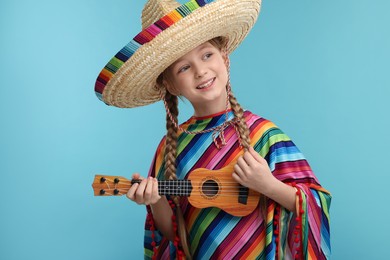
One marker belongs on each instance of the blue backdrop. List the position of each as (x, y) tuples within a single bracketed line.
[(318, 69)]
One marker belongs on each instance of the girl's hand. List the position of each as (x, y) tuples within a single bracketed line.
[(145, 192), (252, 171)]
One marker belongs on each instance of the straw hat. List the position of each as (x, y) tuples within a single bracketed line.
[(170, 30)]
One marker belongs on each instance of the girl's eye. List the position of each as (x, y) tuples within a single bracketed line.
[(184, 68), (207, 55)]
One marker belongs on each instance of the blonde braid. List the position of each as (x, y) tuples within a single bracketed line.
[(243, 129), (170, 164), (241, 123), (237, 109), (171, 137)]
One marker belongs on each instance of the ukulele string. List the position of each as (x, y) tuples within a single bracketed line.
[(108, 185), (108, 189), (235, 193), (230, 189)]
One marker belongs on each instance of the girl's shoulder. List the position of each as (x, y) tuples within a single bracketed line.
[(257, 121)]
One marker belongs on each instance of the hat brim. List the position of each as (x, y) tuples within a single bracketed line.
[(129, 79)]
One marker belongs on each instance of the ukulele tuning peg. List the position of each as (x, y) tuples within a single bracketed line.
[(116, 192), (116, 180), (102, 192), (102, 179)]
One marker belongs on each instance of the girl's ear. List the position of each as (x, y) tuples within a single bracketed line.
[(225, 57), (171, 89)]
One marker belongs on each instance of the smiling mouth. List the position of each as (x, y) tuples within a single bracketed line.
[(206, 84)]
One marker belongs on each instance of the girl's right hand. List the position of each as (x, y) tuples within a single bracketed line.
[(146, 192)]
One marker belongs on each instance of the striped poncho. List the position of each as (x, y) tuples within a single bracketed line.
[(215, 234)]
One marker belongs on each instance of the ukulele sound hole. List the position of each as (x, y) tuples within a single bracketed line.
[(210, 188)]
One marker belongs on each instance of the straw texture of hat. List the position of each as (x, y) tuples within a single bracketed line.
[(170, 30)]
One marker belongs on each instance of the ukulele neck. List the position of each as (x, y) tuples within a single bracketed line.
[(173, 187)]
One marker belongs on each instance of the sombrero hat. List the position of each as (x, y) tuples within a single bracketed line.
[(169, 31)]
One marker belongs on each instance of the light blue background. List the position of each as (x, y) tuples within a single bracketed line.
[(318, 69)]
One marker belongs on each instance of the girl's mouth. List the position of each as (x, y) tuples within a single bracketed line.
[(206, 84)]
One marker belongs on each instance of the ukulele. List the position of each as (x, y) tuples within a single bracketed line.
[(204, 188)]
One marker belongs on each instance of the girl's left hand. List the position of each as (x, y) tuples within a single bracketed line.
[(252, 171)]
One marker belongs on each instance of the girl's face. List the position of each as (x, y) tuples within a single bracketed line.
[(201, 77)]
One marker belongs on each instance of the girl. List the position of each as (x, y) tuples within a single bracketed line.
[(183, 51)]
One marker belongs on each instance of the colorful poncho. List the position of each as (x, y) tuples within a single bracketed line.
[(215, 234)]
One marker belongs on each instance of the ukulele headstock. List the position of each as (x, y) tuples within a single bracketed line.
[(104, 185)]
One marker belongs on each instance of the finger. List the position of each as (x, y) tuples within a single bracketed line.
[(137, 176), (131, 192), (249, 159), (238, 170), (156, 195), (243, 164), (148, 190), (256, 155), (139, 195), (236, 177)]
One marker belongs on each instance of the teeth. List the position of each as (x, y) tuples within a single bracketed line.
[(205, 85)]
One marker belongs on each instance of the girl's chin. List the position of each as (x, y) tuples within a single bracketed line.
[(214, 104)]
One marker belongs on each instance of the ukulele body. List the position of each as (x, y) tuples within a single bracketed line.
[(217, 188)]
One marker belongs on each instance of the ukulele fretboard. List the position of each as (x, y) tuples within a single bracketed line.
[(173, 187)]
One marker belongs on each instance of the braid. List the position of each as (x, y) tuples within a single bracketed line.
[(171, 137), (243, 129), (237, 109), (242, 126), (170, 164), (245, 139)]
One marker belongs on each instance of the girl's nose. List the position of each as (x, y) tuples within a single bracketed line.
[(200, 71)]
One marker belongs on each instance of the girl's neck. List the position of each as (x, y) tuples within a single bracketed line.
[(212, 115), (207, 111)]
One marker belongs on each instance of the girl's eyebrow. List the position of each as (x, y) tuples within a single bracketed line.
[(204, 46), (173, 65)]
